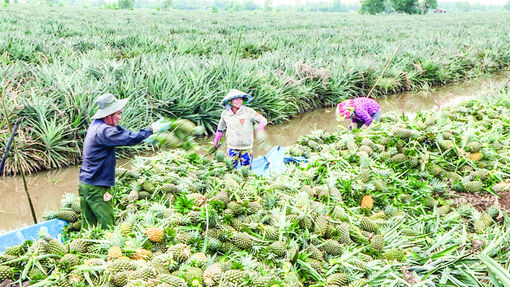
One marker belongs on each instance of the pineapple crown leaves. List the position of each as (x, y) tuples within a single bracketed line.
[(183, 205)]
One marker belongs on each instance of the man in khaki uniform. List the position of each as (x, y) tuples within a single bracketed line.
[(238, 120)]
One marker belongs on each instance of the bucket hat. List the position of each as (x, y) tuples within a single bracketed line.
[(108, 104), (234, 94)]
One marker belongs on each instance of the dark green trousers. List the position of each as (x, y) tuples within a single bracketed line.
[(94, 209)]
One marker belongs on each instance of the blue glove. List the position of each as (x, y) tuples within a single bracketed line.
[(161, 125)]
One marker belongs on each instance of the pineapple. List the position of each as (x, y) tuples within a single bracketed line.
[(155, 234), (364, 175), (367, 202), (332, 247), (198, 259), (126, 228), (394, 254), (474, 147), (343, 233), (476, 156), (473, 186), (142, 254), (377, 242), (143, 195), (78, 245), (271, 233), (366, 224), (148, 186), (133, 196), (501, 187), (121, 265), (261, 281), (359, 283), (194, 276), (410, 232), (183, 237), (67, 215), (321, 225), (242, 240), (314, 252), (315, 264), (171, 280), (115, 252), (339, 279), (232, 277), (69, 260), (212, 274), (181, 252), (279, 248), (144, 273), (399, 158), (482, 223), (169, 188), (6, 272), (443, 210), (121, 279), (339, 213), (436, 170)]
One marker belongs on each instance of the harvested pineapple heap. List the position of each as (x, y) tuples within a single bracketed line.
[(374, 208)]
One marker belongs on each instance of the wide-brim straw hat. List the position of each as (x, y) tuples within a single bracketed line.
[(108, 104), (234, 94)]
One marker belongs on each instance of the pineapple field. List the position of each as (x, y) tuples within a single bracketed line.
[(417, 201), (54, 62)]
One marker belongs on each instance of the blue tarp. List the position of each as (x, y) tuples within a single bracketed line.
[(16, 237), (273, 162)]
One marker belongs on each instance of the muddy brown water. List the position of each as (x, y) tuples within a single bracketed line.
[(46, 188)]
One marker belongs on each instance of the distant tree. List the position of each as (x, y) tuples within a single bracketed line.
[(6, 2), (249, 5), (464, 6), (371, 6), (126, 4), (507, 5), (425, 5), (337, 6), (406, 6), (166, 4)]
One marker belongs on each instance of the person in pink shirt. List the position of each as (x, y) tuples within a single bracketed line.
[(362, 111)]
